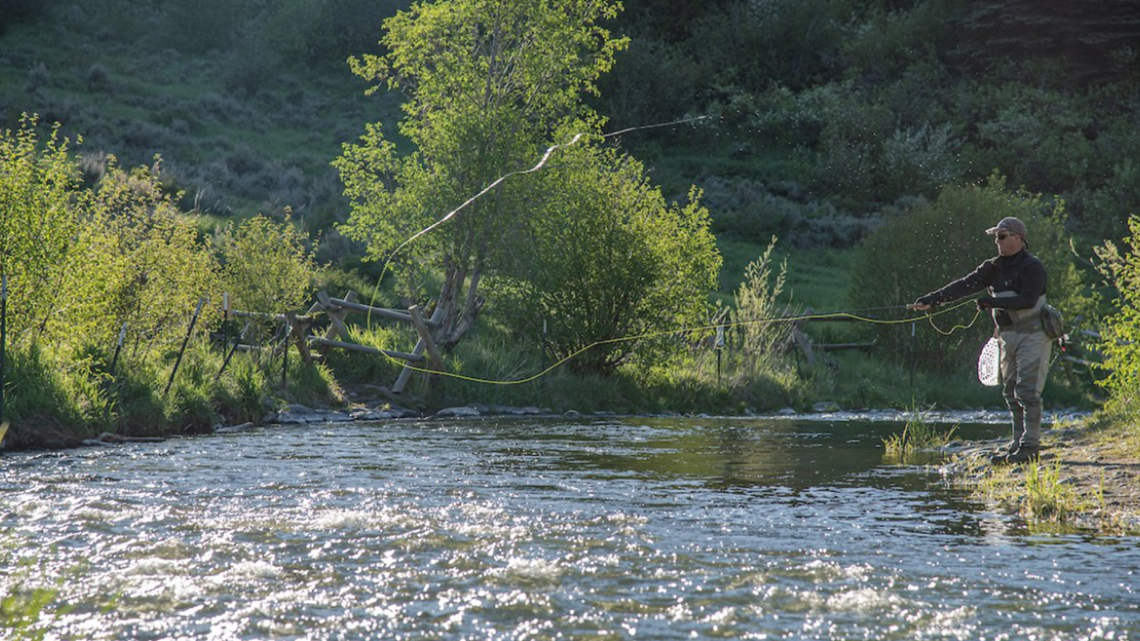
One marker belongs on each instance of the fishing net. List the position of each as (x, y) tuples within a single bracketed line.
[(989, 363)]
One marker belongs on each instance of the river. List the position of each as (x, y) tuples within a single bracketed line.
[(584, 528)]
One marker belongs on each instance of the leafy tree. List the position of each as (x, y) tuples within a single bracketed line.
[(488, 83), (605, 259)]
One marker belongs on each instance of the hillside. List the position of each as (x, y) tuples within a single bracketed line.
[(242, 126), (827, 115)]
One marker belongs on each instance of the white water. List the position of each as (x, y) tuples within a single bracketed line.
[(616, 529)]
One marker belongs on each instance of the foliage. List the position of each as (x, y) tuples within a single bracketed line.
[(322, 31), (80, 264), (651, 82), (498, 81), (929, 245), (890, 40), (1120, 330), (747, 46), (142, 266), (266, 266), (917, 435), (605, 260), (1037, 135), (759, 333), (38, 223)]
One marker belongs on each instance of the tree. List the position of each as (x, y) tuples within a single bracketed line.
[(489, 83), (612, 266)]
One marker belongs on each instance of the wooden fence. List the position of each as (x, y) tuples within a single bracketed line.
[(300, 331)]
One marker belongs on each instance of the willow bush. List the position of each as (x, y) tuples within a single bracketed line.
[(82, 263), (927, 246), (608, 262), (1120, 331), (266, 266)]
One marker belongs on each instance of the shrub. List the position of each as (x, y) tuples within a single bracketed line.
[(925, 247), (1035, 135), (1120, 333), (919, 161), (38, 223), (266, 266), (97, 77), (758, 337), (651, 82), (1109, 207), (607, 261)]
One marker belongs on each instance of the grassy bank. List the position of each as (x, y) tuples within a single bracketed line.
[(1088, 478)]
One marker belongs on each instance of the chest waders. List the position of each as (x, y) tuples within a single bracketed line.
[(1025, 352)]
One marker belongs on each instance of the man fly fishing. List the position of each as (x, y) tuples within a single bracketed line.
[(1016, 282)]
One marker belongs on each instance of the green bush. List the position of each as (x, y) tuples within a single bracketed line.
[(651, 82), (924, 247), (1120, 331), (888, 42), (266, 266), (1109, 207), (607, 260), (1036, 136), (39, 221)]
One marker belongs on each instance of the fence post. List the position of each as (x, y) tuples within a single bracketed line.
[(118, 349), (185, 342), (285, 353), (719, 347)]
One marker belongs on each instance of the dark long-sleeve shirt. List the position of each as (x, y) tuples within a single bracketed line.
[(1014, 282)]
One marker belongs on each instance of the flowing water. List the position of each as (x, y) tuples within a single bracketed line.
[(542, 529)]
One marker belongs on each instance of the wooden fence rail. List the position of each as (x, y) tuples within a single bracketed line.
[(336, 336)]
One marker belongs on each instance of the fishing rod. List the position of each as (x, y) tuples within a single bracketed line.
[(929, 316)]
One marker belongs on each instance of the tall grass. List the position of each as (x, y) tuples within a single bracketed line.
[(917, 436), (1046, 496)]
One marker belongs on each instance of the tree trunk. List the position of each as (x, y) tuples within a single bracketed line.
[(461, 305)]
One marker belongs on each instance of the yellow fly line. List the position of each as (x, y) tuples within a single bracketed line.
[(539, 166), (708, 328)]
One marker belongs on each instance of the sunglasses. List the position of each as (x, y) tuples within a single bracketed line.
[(1004, 236)]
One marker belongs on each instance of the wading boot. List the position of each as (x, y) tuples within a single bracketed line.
[(1024, 454), (1003, 453)]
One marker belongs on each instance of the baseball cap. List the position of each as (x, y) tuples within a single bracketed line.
[(1011, 225)]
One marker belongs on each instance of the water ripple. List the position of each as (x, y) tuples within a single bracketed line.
[(616, 529)]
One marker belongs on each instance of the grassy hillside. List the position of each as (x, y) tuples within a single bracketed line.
[(240, 128)]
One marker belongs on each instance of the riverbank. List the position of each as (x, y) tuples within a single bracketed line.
[(1088, 478)]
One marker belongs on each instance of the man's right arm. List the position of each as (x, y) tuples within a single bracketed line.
[(971, 283)]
